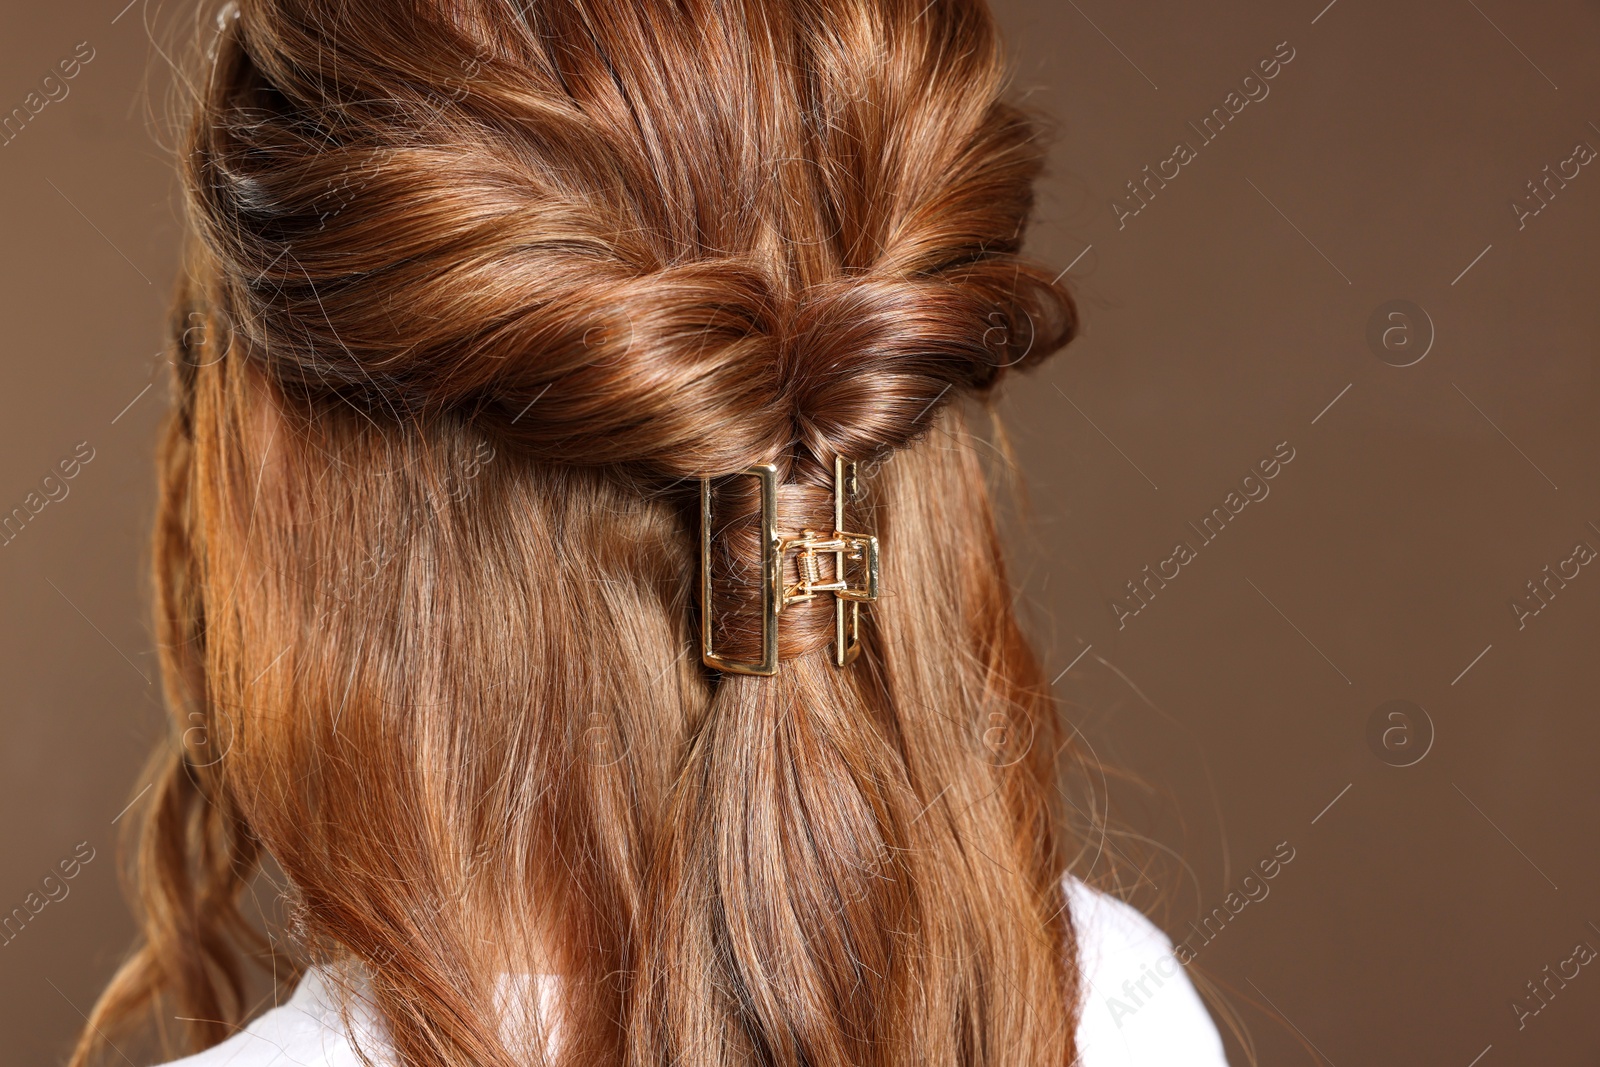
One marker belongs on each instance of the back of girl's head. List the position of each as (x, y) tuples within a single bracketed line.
[(477, 292)]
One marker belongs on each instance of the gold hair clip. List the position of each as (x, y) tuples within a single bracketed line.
[(845, 547)]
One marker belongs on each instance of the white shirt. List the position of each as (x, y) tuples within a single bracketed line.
[(1137, 1007)]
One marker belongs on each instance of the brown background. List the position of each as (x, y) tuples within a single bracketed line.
[(1221, 320)]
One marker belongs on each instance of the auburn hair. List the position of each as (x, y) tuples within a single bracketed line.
[(476, 293)]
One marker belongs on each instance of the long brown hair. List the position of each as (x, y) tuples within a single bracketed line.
[(477, 292)]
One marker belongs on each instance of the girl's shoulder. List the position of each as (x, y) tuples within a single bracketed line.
[(1137, 1007), (310, 1029), (1136, 1004)]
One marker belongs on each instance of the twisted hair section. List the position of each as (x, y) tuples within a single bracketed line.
[(477, 292)]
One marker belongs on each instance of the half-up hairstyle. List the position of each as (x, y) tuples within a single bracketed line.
[(477, 292)]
